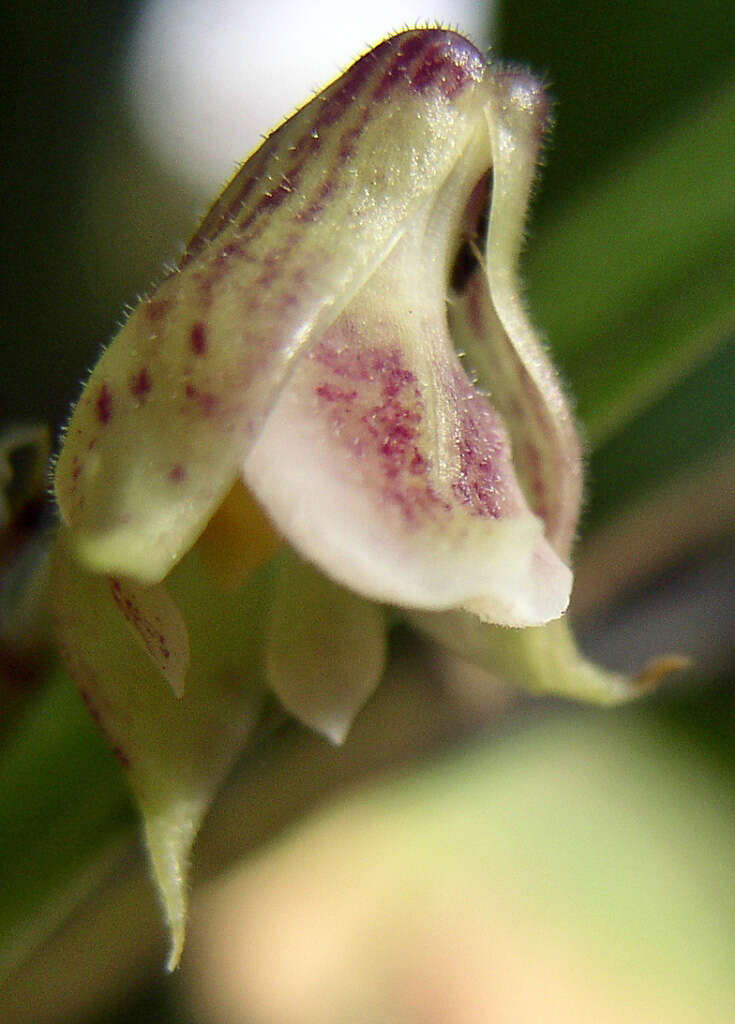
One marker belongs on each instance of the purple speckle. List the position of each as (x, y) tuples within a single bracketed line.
[(103, 405), (198, 338), (177, 473), (380, 421), (215, 269), (432, 58), (332, 394), (90, 706), (205, 401), (271, 264), (351, 136), (272, 200), (148, 627), (375, 407), (230, 202), (122, 757), (481, 484), (312, 211), (344, 92), (140, 384), (448, 68), (230, 250), (408, 49)]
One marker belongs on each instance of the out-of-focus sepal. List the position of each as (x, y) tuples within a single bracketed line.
[(175, 750), (541, 659)]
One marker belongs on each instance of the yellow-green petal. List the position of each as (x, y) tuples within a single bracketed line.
[(542, 659), (174, 751), (325, 649), (171, 410), (490, 325)]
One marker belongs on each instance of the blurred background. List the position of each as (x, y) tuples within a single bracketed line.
[(493, 858)]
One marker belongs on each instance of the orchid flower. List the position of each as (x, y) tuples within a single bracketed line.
[(335, 406)]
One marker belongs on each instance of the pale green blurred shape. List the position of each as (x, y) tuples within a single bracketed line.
[(608, 842)]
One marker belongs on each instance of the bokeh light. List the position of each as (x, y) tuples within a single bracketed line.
[(207, 80)]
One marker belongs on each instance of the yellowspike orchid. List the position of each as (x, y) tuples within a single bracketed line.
[(335, 405)]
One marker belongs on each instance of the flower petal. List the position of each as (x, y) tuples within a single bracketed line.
[(544, 659), (490, 326), (175, 752), (156, 623), (176, 401), (237, 540), (387, 468), (326, 648)]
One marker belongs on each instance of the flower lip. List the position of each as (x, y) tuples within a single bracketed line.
[(410, 463)]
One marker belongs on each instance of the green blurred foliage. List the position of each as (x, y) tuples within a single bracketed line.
[(68, 269), (618, 72)]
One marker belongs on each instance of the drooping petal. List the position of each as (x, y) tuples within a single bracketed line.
[(175, 751), (325, 650), (385, 466), (174, 404), (544, 659), (490, 326)]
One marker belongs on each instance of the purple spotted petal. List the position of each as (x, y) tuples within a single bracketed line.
[(385, 466), (175, 403), (489, 324)]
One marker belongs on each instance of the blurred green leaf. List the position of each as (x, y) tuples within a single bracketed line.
[(63, 808), (633, 281), (570, 855), (691, 423), (618, 72)]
